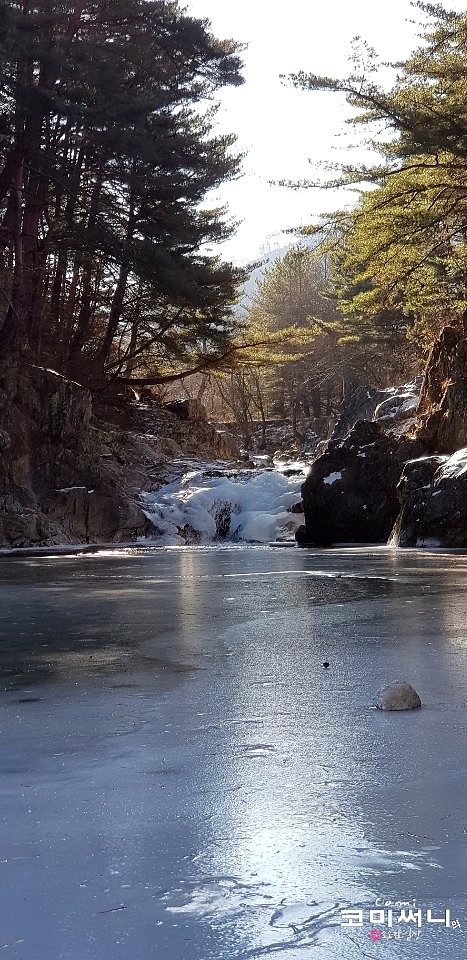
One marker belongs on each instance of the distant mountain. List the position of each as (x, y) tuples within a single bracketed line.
[(264, 262)]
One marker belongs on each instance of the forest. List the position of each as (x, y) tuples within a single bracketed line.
[(109, 154), (373, 285)]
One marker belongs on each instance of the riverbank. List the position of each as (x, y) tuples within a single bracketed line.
[(73, 464)]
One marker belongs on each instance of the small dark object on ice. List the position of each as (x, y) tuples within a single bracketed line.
[(326, 664)]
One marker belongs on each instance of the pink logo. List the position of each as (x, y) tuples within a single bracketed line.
[(374, 935)]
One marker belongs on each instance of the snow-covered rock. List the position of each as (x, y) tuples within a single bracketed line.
[(393, 407), (398, 696), (433, 495), (398, 405), (452, 468)]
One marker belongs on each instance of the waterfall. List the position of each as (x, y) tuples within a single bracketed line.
[(214, 505)]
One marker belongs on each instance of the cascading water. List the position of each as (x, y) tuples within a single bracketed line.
[(212, 505)]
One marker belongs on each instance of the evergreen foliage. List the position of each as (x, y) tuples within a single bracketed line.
[(107, 156), (298, 371), (400, 256)]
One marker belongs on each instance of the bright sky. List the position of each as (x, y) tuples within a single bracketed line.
[(284, 129)]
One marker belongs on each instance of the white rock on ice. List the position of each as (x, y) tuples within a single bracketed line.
[(398, 696)]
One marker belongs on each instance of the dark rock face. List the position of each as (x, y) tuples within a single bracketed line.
[(55, 483), (443, 401), (47, 420), (71, 471), (350, 494), (360, 405), (433, 496), (438, 369)]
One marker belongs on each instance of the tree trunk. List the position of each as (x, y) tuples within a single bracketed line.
[(120, 289), (13, 331), (83, 325)]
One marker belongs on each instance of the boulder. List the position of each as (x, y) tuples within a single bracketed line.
[(101, 515), (433, 497), (350, 493), (398, 696), (187, 409)]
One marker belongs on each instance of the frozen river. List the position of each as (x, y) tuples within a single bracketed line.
[(181, 779)]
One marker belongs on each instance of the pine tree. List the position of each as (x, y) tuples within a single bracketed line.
[(292, 302), (403, 262), (107, 157)]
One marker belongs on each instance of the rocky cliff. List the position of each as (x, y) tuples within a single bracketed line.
[(442, 410), (350, 494), (402, 475), (72, 465)]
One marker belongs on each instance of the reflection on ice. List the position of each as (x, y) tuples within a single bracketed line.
[(277, 916), (182, 779)]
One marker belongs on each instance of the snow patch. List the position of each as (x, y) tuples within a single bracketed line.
[(453, 467), (332, 478), (290, 466), (55, 373), (71, 489)]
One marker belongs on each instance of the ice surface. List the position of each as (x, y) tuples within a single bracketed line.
[(181, 778)]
